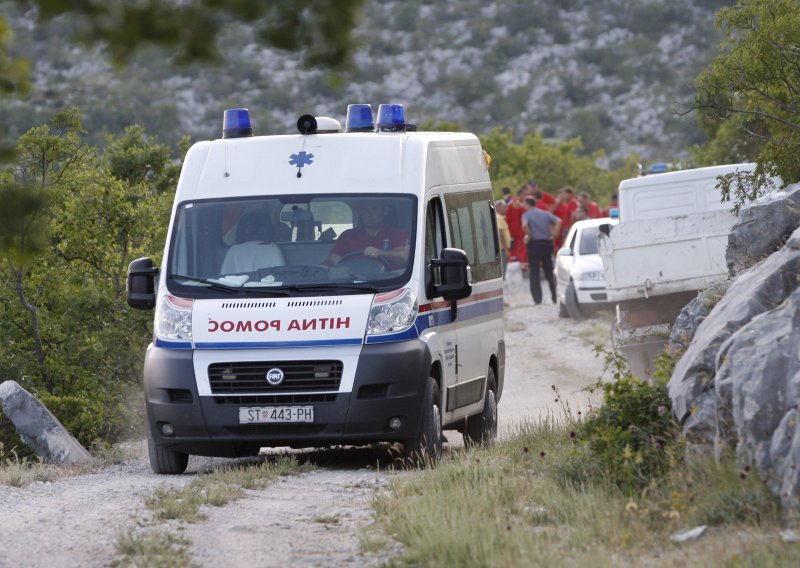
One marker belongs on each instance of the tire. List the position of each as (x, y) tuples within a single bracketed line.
[(573, 307), (164, 461), (426, 448), (481, 428), (562, 310)]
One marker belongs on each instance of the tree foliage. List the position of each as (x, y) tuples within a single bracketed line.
[(552, 164), (749, 97), (68, 336)]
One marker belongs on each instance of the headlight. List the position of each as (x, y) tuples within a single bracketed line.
[(174, 319), (592, 276), (392, 312)]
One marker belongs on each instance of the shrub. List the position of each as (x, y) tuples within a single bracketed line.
[(633, 435)]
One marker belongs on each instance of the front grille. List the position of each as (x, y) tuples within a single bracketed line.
[(282, 399), (251, 377)]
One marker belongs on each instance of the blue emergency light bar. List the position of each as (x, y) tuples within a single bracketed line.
[(236, 123), (359, 118), (391, 118)]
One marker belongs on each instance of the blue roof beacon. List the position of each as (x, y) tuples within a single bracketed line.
[(236, 123), (359, 118)]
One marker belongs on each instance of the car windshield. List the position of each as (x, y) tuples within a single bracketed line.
[(292, 245)]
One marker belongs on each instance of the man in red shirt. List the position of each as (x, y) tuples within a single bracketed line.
[(591, 206), (372, 238), (566, 204)]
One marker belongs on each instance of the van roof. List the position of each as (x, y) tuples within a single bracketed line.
[(347, 162)]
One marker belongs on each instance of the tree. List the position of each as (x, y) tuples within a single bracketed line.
[(68, 335), (552, 164), (753, 85)]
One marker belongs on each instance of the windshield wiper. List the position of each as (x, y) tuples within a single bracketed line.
[(209, 283)]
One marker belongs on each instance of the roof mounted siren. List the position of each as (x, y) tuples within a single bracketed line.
[(392, 118), (308, 124), (359, 118), (236, 123)]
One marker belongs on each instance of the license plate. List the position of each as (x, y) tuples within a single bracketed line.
[(270, 414)]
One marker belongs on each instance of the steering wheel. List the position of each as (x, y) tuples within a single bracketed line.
[(372, 265), (360, 253)]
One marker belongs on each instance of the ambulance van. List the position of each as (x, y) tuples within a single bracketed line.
[(340, 286)]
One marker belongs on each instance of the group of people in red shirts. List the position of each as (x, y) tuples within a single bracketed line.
[(565, 205)]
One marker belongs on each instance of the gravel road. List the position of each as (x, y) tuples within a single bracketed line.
[(313, 519)]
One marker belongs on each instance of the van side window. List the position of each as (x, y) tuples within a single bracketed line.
[(434, 239), (473, 229)]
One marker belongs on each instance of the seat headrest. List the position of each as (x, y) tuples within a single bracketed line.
[(253, 227)]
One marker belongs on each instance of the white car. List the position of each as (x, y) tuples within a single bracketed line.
[(579, 270)]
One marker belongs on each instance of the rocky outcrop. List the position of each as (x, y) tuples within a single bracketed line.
[(38, 428), (737, 385), (762, 228)]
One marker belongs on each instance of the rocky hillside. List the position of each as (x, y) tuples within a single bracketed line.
[(613, 72)]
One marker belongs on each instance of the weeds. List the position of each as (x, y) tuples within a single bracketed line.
[(152, 549), (17, 471), (217, 489)]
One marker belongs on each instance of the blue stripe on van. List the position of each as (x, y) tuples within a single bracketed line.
[(173, 344), (465, 312)]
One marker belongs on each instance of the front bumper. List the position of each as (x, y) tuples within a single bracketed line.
[(389, 381)]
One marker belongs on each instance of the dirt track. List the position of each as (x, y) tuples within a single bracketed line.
[(314, 519)]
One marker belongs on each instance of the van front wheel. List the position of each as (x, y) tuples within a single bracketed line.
[(426, 448), (163, 460), (482, 428)]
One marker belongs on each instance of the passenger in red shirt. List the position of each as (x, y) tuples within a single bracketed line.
[(591, 206), (372, 238)]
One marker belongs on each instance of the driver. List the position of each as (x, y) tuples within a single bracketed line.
[(372, 238)]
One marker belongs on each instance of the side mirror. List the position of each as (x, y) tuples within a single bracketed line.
[(605, 228), (452, 274), (566, 251), (141, 284)]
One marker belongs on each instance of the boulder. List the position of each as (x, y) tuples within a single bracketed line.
[(38, 428), (758, 391), (692, 386), (762, 228)]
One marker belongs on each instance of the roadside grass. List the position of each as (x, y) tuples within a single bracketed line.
[(539, 499), (18, 471), (217, 488), (153, 549)]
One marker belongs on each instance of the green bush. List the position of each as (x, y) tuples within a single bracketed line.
[(91, 419), (633, 435)]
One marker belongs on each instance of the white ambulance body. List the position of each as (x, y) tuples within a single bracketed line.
[(269, 332)]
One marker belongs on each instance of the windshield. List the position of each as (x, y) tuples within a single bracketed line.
[(281, 245)]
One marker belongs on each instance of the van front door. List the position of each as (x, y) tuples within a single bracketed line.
[(473, 228)]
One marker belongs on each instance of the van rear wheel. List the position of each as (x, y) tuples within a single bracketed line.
[(165, 461), (482, 428), (426, 447)]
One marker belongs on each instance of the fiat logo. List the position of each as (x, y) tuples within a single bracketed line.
[(274, 377)]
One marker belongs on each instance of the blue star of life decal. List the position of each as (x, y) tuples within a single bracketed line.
[(301, 159)]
